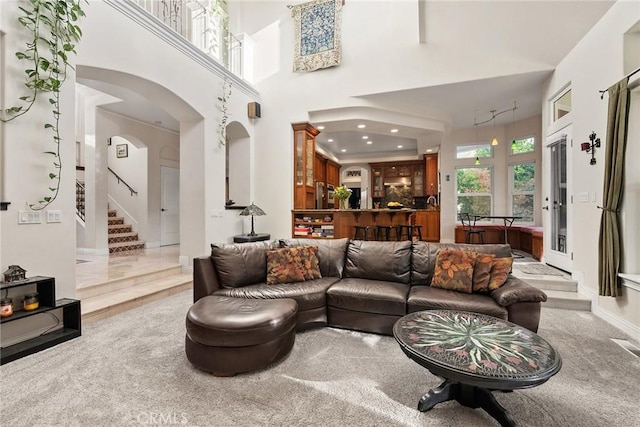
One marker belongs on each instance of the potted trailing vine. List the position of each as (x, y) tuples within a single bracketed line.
[(224, 99), (53, 35)]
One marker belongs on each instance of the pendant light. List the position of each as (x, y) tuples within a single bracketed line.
[(513, 128), (494, 141), (477, 161)]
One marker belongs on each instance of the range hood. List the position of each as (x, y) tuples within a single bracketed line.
[(399, 181)]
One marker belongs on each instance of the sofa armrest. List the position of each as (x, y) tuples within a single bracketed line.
[(515, 290), (205, 278)]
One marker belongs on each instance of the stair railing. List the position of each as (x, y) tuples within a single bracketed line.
[(123, 181), (80, 199)]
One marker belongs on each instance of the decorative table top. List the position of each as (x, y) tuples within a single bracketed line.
[(476, 349)]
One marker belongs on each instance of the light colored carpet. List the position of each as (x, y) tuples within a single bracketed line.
[(540, 269), (131, 370)]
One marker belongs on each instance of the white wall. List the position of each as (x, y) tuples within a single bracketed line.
[(595, 64), (42, 249)]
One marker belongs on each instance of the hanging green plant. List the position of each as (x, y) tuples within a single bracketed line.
[(224, 99), (53, 36)]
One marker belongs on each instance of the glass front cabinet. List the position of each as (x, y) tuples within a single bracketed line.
[(304, 140)]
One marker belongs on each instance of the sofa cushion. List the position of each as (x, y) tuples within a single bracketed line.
[(482, 271), (368, 296), (499, 272), (309, 295), (429, 298), (384, 261), (454, 270), (241, 264), (289, 265), (331, 253), (424, 257)]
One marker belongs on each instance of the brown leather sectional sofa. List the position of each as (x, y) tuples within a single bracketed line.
[(365, 285)]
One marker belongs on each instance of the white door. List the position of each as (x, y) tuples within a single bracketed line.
[(556, 203), (169, 206)]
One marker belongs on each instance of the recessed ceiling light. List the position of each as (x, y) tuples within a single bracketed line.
[(399, 146), (362, 126), (365, 137), (344, 150), (369, 142), (330, 140), (394, 130), (429, 150), (321, 127)]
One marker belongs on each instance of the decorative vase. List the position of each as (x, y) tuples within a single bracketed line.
[(343, 203)]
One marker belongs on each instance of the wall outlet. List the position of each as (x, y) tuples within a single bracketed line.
[(29, 217), (54, 216)]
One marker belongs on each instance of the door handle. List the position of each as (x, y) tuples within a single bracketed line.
[(546, 208), (162, 210)]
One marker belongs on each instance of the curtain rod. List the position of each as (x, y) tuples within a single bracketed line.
[(602, 92)]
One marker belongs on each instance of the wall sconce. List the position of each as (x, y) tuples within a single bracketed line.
[(590, 147)]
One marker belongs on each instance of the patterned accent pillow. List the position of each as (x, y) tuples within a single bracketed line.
[(454, 270), (499, 272), (292, 264), (482, 272)]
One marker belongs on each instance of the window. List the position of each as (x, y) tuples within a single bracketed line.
[(521, 146), (474, 190), (523, 187), (473, 151), (562, 105)]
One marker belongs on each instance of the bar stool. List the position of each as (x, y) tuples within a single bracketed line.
[(410, 231), (469, 229), (362, 232), (386, 230)]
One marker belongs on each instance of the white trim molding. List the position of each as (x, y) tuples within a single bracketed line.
[(146, 20), (624, 325)]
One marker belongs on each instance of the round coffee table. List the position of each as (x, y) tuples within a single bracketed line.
[(475, 354)]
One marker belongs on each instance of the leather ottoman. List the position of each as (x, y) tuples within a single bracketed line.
[(227, 336)]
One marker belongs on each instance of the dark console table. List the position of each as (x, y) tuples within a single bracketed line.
[(245, 238), (475, 354)]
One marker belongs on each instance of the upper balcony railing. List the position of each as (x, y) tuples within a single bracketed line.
[(203, 23)]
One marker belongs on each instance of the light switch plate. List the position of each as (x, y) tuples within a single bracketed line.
[(54, 216), (583, 197), (29, 217)]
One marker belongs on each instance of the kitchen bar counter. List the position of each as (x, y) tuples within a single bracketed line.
[(339, 223)]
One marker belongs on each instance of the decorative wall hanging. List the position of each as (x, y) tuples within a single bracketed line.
[(318, 38)]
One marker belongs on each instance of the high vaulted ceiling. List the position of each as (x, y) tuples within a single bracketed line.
[(483, 27)]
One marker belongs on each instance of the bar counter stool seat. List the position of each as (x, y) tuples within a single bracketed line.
[(363, 232), (384, 232)]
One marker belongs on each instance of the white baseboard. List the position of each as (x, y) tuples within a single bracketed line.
[(624, 325), (150, 245), (92, 251)]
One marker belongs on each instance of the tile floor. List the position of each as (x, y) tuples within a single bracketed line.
[(94, 269)]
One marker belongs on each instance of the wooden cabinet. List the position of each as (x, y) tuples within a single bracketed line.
[(430, 222), (304, 151), (320, 168), (377, 181), (333, 173), (432, 187), (418, 181)]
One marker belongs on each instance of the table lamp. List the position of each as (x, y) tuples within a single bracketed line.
[(252, 210)]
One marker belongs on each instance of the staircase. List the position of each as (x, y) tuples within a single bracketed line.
[(561, 289), (102, 300), (122, 238)]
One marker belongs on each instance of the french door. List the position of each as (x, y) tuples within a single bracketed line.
[(556, 203)]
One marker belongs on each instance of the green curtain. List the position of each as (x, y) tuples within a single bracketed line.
[(616, 142)]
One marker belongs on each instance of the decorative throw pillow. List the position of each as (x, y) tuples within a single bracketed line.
[(482, 272), (454, 270), (292, 264), (499, 272)]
